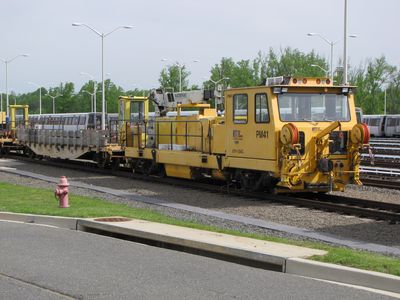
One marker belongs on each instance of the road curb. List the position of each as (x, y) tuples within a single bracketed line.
[(269, 255), (289, 265), (61, 222), (337, 273)]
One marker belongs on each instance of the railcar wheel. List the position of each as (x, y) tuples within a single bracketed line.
[(5, 151), (31, 154), (254, 181), (102, 162), (115, 164), (142, 166)]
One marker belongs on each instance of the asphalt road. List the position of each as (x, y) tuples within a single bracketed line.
[(40, 262)]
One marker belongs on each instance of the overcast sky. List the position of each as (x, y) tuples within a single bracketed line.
[(181, 31)]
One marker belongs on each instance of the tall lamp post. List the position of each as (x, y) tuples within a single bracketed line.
[(218, 81), (325, 71), (6, 62), (180, 66), (40, 95), (332, 44), (53, 98), (94, 103), (345, 44), (92, 96), (102, 35), (385, 102)]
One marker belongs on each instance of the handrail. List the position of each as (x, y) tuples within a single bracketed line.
[(144, 124)]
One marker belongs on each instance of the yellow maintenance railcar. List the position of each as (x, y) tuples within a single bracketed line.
[(293, 134), (9, 125)]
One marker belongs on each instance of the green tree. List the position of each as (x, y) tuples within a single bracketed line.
[(170, 77), (112, 94), (371, 79), (290, 62), (393, 94), (293, 62)]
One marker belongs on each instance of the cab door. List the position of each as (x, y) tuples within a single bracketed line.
[(250, 131), (263, 133)]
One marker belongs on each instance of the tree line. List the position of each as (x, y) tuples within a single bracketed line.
[(374, 79)]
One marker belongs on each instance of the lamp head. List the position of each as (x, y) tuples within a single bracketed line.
[(76, 24), (311, 33), (128, 27)]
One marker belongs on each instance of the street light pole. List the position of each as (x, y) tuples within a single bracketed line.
[(94, 108), (103, 90), (54, 104), (7, 100), (215, 88), (102, 35), (345, 45), (331, 44), (385, 102), (40, 100), (218, 81), (92, 95), (318, 66), (180, 66), (40, 95), (180, 76), (6, 62)]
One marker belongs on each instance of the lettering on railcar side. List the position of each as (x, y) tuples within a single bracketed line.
[(237, 151), (261, 134)]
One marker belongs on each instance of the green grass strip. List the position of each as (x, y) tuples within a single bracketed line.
[(20, 199)]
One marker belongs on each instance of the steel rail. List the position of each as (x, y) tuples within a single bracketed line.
[(387, 183)]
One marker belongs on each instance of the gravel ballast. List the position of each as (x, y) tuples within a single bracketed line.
[(348, 227)]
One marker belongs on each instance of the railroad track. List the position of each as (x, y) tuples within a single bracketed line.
[(358, 207), (381, 182), (385, 170), (379, 163)]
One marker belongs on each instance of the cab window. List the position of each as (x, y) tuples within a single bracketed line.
[(261, 113), (240, 108)]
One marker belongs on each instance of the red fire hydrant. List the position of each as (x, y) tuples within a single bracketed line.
[(61, 192)]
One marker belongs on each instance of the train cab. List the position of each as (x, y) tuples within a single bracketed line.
[(18, 118), (301, 132)]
